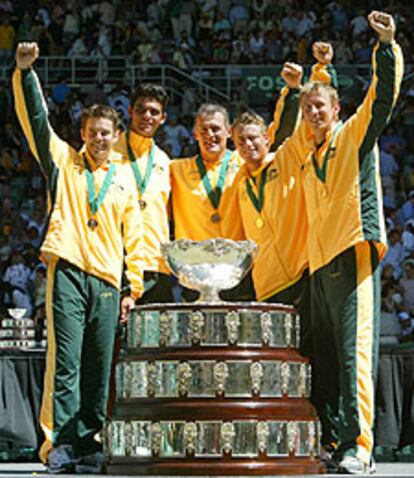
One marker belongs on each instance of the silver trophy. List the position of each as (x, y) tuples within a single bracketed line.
[(209, 266)]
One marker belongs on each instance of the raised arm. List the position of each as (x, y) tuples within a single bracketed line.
[(49, 150), (323, 69), (286, 114), (387, 65)]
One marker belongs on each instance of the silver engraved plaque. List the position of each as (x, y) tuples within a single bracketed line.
[(277, 444), (116, 438), (245, 439), (250, 333), (150, 331), (241, 438), (238, 383), (166, 384), (119, 380), (180, 329), (272, 379), (208, 443), (139, 380), (202, 379), (164, 325), (215, 328), (134, 331), (173, 443), (141, 431)]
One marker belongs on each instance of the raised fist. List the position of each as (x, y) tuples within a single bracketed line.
[(383, 24), (323, 52), (292, 74), (26, 55)]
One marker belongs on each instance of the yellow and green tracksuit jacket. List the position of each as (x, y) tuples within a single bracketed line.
[(99, 252), (192, 209), (191, 206), (344, 204), (156, 228), (282, 254)]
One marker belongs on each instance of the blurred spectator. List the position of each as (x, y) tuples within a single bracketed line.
[(7, 39), (406, 285), (175, 135), (395, 253)]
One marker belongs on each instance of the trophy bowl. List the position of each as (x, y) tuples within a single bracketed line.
[(209, 266), (16, 313)]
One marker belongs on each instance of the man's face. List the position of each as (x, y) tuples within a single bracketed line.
[(319, 111), (99, 136), (211, 132), (146, 116), (252, 143)]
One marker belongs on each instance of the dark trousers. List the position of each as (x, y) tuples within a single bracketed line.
[(82, 313), (345, 314)]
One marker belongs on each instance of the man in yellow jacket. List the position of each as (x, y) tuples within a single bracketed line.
[(93, 217), (202, 187), (151, 169), (346, 241)]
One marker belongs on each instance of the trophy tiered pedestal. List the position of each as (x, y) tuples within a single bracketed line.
[(212, 388)]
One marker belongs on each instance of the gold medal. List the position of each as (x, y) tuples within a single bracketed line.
[(92, 224), (259, 223), (215, 217), (142, 204)]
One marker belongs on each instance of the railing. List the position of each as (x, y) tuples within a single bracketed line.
[(222, 83)]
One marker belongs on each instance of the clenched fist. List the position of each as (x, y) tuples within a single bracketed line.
[(292, 74), (26, 55), (323, 52), (383, 24)]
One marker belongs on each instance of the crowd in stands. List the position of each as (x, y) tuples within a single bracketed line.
[(188, 33)]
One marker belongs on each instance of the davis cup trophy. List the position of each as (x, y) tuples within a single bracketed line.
[(212, 387)]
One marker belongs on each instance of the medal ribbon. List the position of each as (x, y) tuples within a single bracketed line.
[(214, 195), (95, 200), (321, 171), (258, 200), (142, 182)]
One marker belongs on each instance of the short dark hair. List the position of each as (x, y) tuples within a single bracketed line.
[(100, 111), (150, 90)]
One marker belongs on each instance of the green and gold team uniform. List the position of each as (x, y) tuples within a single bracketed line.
[(85, 254), (153, 189), (277, 222), (346, 241), (197, 216)]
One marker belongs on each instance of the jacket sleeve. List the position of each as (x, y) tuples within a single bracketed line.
[(325, 74), (285, 116), (48, 149), (373, 114), (134, 247)]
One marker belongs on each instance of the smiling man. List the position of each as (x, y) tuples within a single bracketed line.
[(150, 166), (346, 241), (94, 216), (202, 187)]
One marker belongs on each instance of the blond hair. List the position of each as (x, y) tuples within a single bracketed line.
[(249, 117), (319, 87)]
